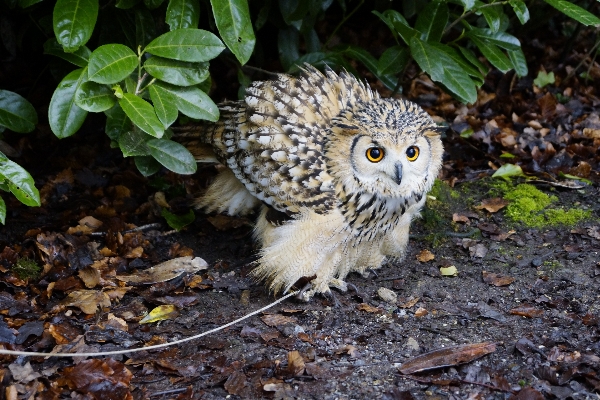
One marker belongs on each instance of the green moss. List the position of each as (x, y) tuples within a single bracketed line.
[(530, 206), (26, 268)]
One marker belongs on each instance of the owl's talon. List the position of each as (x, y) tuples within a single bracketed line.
[(302, 293)]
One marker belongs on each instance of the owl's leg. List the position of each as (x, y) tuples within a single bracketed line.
[(227, 195), (395, 242)]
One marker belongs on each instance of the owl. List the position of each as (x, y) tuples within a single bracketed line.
[(335, 172)]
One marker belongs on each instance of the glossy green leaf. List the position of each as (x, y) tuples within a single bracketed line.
[(469, 55), (94, 97), (19, 182), (133, 143), (371, 63), (520, 10), (425, 57), (574, 11), (28, 3), (16, 113), (111, 63), (64, 115), (393, 60), (544, 78), (191, 101), (142, 114), (493, 54), (493, 16), (235, 27), (501, 39), (460, 60), (145, 27), (178, 73), (467, 4), (193, 45), (183, 14), (517, 58), (164, 105), (79, 57), (117, 122), (441, 67), (398, 24), (73, 22), (2, 211), (172, 155), (147, 165), (432, 20), (178, 222)]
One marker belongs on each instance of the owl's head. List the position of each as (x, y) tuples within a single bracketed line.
[(386, 147)]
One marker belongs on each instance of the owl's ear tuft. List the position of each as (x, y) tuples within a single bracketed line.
[(434, 130), (347, 129)]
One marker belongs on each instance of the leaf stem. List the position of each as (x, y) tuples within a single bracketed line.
[(342, 22), (145, 87), (468, 14)]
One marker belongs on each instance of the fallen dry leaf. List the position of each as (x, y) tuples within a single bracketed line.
[(160, 313), (87, 301), (460, 218), (425, 255), (295, 363), (236, 383), (527, 311), (166, 271), (447, 357), (497, 279), (277, 319), (409, 303), (449, 271), (421, 312), (492, 205), (369, 308)]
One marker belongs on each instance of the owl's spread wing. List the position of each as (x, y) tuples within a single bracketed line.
[(273, 141)]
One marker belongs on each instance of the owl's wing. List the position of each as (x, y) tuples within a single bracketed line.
[(273, 141)]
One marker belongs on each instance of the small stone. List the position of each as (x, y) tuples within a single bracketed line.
[(536, 262), (387, 295), (412, 344)]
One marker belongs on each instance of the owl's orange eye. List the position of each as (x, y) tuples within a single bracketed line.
[(375, 154), (412, 153)]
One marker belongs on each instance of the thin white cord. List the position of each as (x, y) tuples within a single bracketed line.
[(153, 347)]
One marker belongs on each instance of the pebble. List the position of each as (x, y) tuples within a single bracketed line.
[(387, 295)]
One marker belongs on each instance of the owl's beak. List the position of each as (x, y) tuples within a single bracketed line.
[(398, 173)]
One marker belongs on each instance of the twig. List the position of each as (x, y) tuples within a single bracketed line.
[(424, 328), (172, 391), (429, 382), (468, 14)]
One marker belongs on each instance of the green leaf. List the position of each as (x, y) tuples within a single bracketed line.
[(73, 22), (467, 4), (193, 45), (94, 97), (2, 211), (442, 68), (425, 57), (288, 45), (178, 222), (493, 16), (393, 60), (508, 170), (20, 183), (520, 10), (501, 39), (164, 105), (191, 101), (64, 115), (16, 113), (117, 122), (517, 58), (398, 24), (142, 114), (469, 55), (79, 57), (544, 78), (562, 175), (147, 165), (460, 60), (432, 20), (179, 73), (28, 3), (111, 63), (235, 27), (577, 13), (370, 62), (145, 27), (316, 59), (493, 53), (183, 14), (133, 143), (172, 155)]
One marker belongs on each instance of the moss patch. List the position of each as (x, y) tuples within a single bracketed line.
[(26, 268), (530, 206)]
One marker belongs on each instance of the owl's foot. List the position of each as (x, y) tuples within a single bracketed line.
[(312, 288)]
